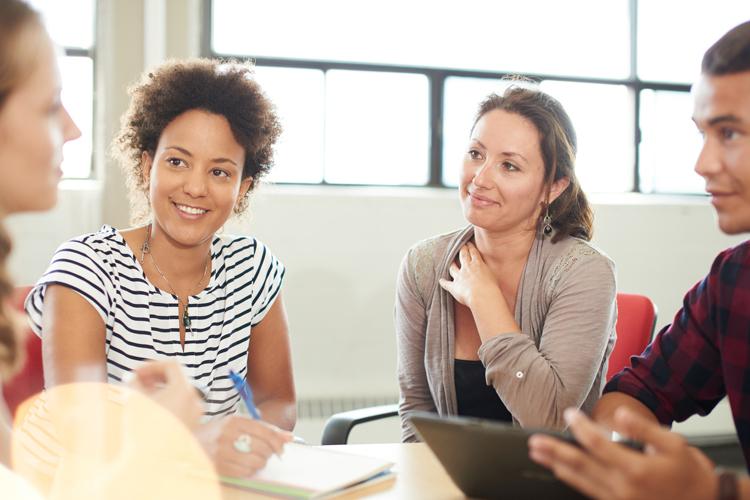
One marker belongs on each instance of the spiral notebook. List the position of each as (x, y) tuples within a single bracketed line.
[(311, 472)]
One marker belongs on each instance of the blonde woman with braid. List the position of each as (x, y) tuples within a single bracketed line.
[(34, 125)]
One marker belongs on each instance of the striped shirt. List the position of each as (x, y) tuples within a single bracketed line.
[(142, 321)]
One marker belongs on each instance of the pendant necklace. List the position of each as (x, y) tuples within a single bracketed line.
[(146, 249)]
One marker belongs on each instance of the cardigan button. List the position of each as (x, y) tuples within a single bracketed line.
[(519, 374)]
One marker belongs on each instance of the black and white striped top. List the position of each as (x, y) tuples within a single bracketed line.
[(142, 321)]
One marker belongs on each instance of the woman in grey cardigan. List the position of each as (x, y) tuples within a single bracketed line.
[(513, 317)]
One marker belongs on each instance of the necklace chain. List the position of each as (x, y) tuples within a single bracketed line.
[(146, 249)]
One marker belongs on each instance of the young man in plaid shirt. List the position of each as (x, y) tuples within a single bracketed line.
[(704, 354)]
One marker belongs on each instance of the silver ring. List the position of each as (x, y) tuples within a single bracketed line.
[(243, 443)]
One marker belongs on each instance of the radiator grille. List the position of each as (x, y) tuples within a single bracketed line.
[(324, 408)]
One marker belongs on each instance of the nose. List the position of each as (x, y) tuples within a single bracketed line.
[(70, 129), (709, 160), (195, 183), (481, 175)]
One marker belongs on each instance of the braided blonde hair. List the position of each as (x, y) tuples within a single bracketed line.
[(16, 17)]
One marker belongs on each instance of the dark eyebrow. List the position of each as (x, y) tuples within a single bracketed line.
[(722, 119), (181, 150), (214, 160)]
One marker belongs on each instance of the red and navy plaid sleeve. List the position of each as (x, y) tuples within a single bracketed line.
[(704, 354)]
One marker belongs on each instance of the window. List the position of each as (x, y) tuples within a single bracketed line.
[(75, 35), (385, 92)]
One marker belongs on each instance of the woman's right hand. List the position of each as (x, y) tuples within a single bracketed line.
[(219, 436)]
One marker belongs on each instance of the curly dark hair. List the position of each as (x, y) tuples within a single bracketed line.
[(571, 213), (226, 88)]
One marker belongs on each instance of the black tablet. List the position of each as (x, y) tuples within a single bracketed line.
[(489, 459)]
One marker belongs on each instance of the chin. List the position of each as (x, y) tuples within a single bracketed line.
[(42, 203), (729, 225)]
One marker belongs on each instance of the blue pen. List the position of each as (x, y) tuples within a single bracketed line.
[(245, 393)]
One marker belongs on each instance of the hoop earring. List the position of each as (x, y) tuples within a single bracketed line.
[(547, 222)]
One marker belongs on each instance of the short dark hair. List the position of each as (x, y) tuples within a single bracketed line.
[(571, 213), (730, 54), (225, 88)]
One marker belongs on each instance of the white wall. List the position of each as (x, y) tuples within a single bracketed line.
[(342, 248)]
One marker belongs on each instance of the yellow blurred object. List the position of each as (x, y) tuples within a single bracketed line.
[(93, 440)]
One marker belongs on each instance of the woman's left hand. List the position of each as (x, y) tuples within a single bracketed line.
[(473, 280)]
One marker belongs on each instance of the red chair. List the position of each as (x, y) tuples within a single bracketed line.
[(636, 319), (30, 379)]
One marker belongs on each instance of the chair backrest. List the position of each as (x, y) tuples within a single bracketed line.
[(30, 379), (636, 319)]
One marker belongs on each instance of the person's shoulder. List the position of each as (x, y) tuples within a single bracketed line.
[(434, 247), (571, 253), (733, 262), (572, 248), (239, 248), (737, 253), (101, 242), (424, 259)]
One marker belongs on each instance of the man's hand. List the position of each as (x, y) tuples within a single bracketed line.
[(667, 468)]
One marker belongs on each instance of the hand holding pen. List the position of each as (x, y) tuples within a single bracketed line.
[(239, 445)]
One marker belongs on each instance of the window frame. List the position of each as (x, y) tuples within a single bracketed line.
[(436, 78)]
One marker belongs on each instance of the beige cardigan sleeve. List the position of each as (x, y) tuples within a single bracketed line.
[(410, 320), (537, 383)]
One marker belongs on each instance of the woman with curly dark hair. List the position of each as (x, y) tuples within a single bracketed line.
[(198, 136)]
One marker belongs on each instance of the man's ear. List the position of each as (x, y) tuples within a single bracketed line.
[(558, 187), (146, 163)]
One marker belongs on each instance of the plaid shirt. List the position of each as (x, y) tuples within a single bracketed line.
[(704, 354)]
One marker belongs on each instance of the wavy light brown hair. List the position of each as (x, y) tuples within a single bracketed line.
[(570, 212), (16, 19), (225, 88)]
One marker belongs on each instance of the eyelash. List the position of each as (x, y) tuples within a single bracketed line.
[(175, 162), (727, 134), (476, 155)]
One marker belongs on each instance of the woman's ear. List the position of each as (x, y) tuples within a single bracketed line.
[(245, 186), (558, 187), (146, 163)]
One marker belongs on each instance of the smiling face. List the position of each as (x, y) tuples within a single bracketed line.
[(722, 114), (195, 178), (502, 179), (34, 125)]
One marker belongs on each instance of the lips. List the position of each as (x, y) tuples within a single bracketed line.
[(481, 200), (189, 209)]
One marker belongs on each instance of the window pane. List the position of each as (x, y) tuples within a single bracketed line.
[(670, 143), (691, 26), (473, 34), (603, 119), (70, 22), (78, 98), (299, 96), (377, 128), (461, 101)]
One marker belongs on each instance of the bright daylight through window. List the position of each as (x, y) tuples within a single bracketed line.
[(370, 97)]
